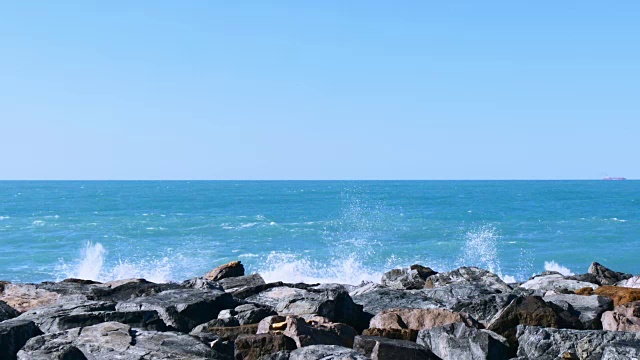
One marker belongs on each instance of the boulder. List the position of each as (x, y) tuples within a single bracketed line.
[(201, 283), (459, 341), (620, 295), (607, 276), (306, 333), (14, 334), (623, 318), (363, 288), (326, 352), (555, 282), (254, 347), (7, 312), (588, 308), (280, 355), (114, 340), (232, 269), (532, 311), (241, 283), (483, 307), (23, 297), (252, 313), (210, 334), (410, 278), (468, 276), (380, 348), (550, 344), (398, 334), (378, 300), (633, 282), (621, 352), (124, 290), (328, 300), (418, 319), (182, 309)]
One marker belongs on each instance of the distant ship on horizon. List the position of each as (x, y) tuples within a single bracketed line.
[(614, 178)]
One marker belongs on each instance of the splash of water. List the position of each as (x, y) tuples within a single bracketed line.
[(554, 266), (481, 249)]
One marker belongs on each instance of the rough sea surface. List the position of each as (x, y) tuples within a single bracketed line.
[(313, 231)]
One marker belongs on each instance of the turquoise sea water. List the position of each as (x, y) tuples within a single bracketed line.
[(344, 231)]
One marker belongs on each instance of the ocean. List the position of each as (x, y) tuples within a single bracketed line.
[(313, 231)]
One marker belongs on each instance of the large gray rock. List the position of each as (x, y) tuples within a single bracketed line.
[(468, 276), (411, 278), (549, 344), (252, 313), (483, 307), (241, 283), (556, 283), (64, 316), (7, 312), (588, 308), (328, 300), (459, 341), (326, 352), (362, 288), (633, 282), (182, 309), (605, 275), (14, 334), (418, 319), (378, 300), (621, 352), (114, 340), (379, 348)]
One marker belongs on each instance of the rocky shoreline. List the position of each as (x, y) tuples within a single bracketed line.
[(414, 313)]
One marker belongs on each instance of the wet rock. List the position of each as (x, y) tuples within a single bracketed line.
[(550, 344), (23, 297), (623, 318), (202, 284), (378, 300), (555, 282), (241, 283), (532, 311), (182, 309), (113, 340), (254, 347), (468, 276), (633, 282), (7, 312), (418, 319), (255, 290), (459, 341), (398, 334), (607, 276), (14, 334), (411, 278), (328, 300), (362, 288), (620, 295), (128, 289), (380, 348), (326, 352), (306, 333), (588, 308), (232, 269)]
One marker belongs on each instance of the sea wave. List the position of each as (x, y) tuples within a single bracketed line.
[(554, 266)]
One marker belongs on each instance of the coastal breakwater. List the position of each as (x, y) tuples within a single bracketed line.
[(412, 313)]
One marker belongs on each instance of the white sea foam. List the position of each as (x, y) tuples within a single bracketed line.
[(618, 220), (554, 266), (4, 217), (481, 249), (38, 223)]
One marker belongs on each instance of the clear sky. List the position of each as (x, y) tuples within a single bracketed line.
[(319, 89)]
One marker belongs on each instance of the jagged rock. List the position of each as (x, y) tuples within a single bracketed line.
[(468, 276), (182, 309), (252, 313), (555, 282), (64, 316), (459, 341), (621, 352), (123, 290), (418, 319), (588, 308), (114, 340), (607, 276), (255, 290), (398, 334), (326, 352), (620, 295), (241, 283), (14, 334), (380, 348), (320, 332), (232, 269), (328, 300), (202, 284), (363, 288), (549, 344), (7, 312), (633, 282), (378, 300), (623, 318), (532, 311), (254, 347), (23, 297), (211, 333), (409, 279), (483, 307)]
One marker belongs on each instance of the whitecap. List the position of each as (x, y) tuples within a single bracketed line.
[(618, 220), (4, 217), (38, 223), (554, 266)]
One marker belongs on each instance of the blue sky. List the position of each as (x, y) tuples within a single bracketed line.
[(319, 89)]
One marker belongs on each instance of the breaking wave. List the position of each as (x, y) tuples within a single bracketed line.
[(554, 266)]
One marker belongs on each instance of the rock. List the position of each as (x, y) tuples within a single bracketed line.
[(468, 276), (589, 308), (280, 355), (14, 334), (621, 352), (326, 352), (113, 340), (23, 297), (7, 312), (547, 344), (312, 333), (201, 283), (555, 282), (378, 300), (607, 276), (623, 318), (252, 313), (182, 309), (124, 290), (328, 300), (241, 283), (363, 288), (532, 311), (418, 319), (380, 348), (483, 307), (255, 290), (253, 347), (232, 269), (211, 333), (459, 341), (398, 334), (633, 282), (410, 279), (620, 295)]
